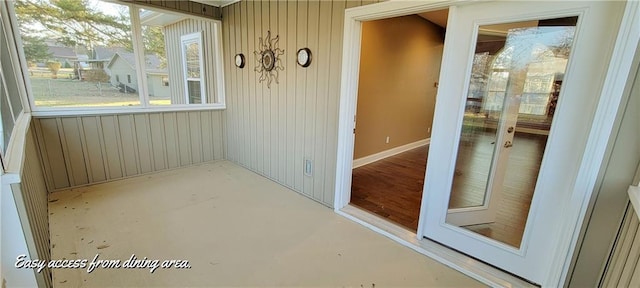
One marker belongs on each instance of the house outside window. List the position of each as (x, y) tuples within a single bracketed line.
[(145, 45)]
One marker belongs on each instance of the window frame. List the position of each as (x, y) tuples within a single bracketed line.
[(145, 106)]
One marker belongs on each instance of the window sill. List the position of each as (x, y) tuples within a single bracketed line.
[(71, 111), (14, 156)]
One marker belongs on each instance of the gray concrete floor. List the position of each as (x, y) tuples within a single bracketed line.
[(234, 227)]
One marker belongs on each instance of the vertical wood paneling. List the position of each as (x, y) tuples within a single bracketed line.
[(129, 145), (72, 141), (218, 136), (171, 140), (237, 74), (266, 99), (252, 96), (331, 138), (274, 124), (244, 99), (52, 151), (311, 95), (273, 130), (92, 149), (156, 125), (32, 201), (232, 86), (320, 122), (282, 95), (196, 136), (184, 133), (260, 137), (207, 136), (623, 269), (291, 76), (112, 148), (301, 83), (143, 141)]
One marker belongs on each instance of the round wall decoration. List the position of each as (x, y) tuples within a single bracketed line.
[(239, 60), (268, 60), (268, 57), (304, 57)]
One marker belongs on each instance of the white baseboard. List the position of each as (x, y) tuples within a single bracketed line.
[(388, 153)]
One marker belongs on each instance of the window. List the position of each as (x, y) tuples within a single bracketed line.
[(193, 68), (10, 83), (97, 54)]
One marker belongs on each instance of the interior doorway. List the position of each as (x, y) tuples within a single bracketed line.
[(399, 70), (571, 153)]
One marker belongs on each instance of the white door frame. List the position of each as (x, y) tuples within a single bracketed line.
[(613, 87)]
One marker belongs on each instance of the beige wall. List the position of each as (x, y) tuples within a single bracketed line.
[(92, 149), (399, 65), (272, 131), (31, 199)]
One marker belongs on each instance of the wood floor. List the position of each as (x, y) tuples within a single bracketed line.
[(392, 188)]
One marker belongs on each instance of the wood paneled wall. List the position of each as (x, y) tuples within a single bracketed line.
[(182, 6), (91, 149), (272, 131), (623, 269), (31, 198), (173, 33)]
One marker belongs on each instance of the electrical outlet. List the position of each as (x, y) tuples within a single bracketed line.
[(308, 167), (387, 140), (429, 130)]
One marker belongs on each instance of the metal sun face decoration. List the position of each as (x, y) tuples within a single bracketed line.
[(268, 58)]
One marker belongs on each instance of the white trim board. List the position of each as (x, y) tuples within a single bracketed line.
[(388, 153)]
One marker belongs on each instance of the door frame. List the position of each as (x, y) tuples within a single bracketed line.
[(602, 126)]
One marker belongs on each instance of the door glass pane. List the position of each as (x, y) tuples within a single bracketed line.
[(515, 81)]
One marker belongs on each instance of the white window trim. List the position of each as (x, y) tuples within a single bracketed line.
[(184, 41), (144, 107)]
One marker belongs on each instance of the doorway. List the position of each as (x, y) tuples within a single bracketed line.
[(399, 71), (564, 178)]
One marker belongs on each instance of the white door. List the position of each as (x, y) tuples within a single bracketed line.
[(518, 89)]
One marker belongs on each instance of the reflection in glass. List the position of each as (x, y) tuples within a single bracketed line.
[(517, 72), (193, 60), (157, 68)]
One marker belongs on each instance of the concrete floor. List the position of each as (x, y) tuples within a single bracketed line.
[(234, 227)]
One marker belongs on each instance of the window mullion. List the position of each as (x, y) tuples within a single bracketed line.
[(138, 51)]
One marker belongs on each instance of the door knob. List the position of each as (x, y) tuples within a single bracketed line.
[(508, 144)]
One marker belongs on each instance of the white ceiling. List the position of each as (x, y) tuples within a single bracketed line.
[(217, 3)]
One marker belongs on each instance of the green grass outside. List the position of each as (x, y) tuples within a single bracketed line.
[(65, 92)]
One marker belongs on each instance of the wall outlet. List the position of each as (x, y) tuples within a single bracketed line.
[(429, 130), (387, 140), (308, 167)]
